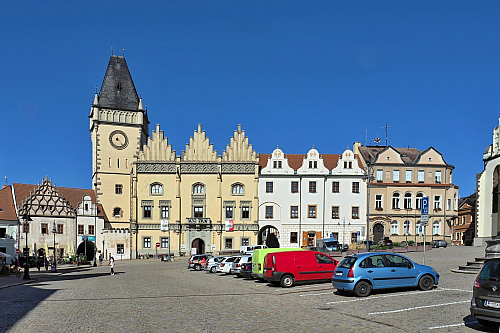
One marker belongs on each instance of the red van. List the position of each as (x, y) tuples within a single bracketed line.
[(287, 267)]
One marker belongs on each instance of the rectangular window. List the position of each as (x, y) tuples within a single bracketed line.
[(146, 212), (120, 248), (118, 189), (228, 243), (395, 176), (269, 187), (229, 212), (448, 204), (45, 229), (378, 201), (295, 187), (313, 164), (437, 202), (355, 187), (335, 187), (438, 177), (311, 211), (335, 212), (60, 229), (164, 212), (312, 187), (269, 212), (164, 243), (146, 242), (355, 212), (245, 212), (294, 237), (408, 176), (379, 176), (421, 176), (198, 212), (81, 229), (294, 212), (91, 230), (246, 241)]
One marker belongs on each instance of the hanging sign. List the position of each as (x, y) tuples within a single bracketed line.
[(229, 225), (164, 225)]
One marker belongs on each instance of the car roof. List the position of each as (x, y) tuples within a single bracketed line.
[(368, 254)]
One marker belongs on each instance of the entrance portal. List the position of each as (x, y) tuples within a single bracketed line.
[(378, 232), (268, 235), (86, 248), (199, 245)]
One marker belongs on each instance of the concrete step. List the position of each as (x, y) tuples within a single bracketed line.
[(469, 268)]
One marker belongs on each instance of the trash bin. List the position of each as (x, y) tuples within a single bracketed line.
[(53, 267)]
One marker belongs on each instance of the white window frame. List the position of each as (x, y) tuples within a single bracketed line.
[(421, 176), (395, 176), (380, 175), (438, 176), (408, 176), (394, 228), (396, 200)]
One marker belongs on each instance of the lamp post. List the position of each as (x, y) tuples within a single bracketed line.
[(26, 219), (343, 232), (95, 225), (54, 230)]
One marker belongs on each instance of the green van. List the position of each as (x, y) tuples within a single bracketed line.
[(258, 260)]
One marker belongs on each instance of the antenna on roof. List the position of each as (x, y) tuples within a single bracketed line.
[(123, 53), (377, 140), (386, 133), (6, 183), (111, 50)]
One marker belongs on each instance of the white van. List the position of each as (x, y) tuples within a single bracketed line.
[(248, 249)]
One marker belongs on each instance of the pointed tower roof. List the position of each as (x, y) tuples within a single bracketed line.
[(118, 90)]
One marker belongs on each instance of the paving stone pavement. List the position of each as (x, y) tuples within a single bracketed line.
[(154, 296)]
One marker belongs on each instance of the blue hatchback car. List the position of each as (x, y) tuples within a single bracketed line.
[(364, 272)]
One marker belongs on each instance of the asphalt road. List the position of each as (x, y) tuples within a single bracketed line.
[(154, 296)]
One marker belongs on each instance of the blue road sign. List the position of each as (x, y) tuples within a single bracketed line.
[(425, 206)]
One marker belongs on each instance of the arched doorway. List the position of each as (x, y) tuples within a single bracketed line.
[(378, 232), (269, 236), (86, 248), (199, 245)]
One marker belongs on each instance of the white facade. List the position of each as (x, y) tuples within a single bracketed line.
[(316, 197)]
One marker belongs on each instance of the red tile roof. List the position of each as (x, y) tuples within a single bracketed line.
[(7, 208)]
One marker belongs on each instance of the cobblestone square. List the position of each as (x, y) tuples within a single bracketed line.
[(154, 296)]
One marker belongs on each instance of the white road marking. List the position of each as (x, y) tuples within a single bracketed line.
[(446, 326), (418, 307), (384, 296)]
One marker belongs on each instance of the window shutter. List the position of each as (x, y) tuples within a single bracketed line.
[(304, 238)]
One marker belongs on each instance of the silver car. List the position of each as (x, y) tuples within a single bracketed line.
[(238, 263), (212, 264)]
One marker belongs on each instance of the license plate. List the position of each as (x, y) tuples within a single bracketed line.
[(338, 273), (491, 304)]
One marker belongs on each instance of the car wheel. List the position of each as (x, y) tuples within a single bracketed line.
[(197, 267), (426, 282), (287, 281), (362, 289), (213, 269)]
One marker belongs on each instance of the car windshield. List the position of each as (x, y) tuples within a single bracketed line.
[(347, 262), (491, 270)]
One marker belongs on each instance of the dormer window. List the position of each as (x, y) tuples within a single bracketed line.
[(347, 165), (313, 164), (277, 165)]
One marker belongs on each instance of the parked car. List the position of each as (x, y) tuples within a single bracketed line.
[(286, 268), (386, 242), (237, 264), (212, 263), (439, 243), (246, 270), (371, 243), (226, 265), (196, 261), (485, 303), (362, 273), (258, 260), (248, 249)]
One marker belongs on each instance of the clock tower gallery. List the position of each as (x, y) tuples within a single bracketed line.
[(119, 128)]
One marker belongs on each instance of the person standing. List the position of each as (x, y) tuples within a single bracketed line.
[(112, 264)]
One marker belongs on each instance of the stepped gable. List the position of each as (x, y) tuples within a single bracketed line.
[(239, 150), (118, 89), (199, 148), (157, 148)]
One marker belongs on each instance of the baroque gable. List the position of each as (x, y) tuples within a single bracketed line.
[(157, 148), (239, 150), (199, 148), (46, 201)]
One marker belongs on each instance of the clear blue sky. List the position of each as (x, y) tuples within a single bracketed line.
[(294, 74)]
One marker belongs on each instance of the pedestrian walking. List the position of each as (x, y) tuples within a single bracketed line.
[(38, 264), (112, 264), (47, 263), (100, 259)]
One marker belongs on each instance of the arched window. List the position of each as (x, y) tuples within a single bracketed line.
[(395, 200), (156, 188), (408, 200), (237, 189), (418, 200), (394, 228), (436, 228), (407, 226), (198, 188)]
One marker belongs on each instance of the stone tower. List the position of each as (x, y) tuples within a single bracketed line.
[(119, 128)]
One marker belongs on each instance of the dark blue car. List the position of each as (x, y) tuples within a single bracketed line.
[(362, 273)]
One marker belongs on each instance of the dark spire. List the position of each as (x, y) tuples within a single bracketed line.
[(118, 90)]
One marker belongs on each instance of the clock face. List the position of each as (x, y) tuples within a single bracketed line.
[(118, 139)]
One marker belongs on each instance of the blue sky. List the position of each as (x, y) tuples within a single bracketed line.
[(292, 73)]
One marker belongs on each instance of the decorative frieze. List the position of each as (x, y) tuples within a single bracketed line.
[(156, 167), (198, 168), (238, 167)]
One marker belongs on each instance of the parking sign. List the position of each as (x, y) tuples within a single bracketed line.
[(424, 212)]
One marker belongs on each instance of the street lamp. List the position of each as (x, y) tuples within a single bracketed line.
[(54, 230), (343, 232), (26, 219), (95, 224)]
